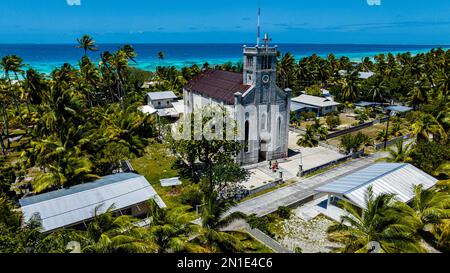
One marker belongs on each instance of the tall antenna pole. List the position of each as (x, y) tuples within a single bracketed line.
[(259, 24)]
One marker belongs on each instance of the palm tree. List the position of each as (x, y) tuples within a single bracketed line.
[(35, 86), (91, 81), (214, 220), (172, 230), (14, 64), (286, 70), (377, 89), (352, 143), (426, 210), (109, 234), (427, 128), (87, 43), (348, 87), (309, 139), (5, 117), (401, 153), (419, 93), (366, 64), (62, 165), (377, 222), (161, 56)]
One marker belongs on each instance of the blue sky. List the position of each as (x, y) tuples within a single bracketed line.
[(228, 21)]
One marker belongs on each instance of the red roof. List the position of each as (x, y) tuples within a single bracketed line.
[(218, 84)]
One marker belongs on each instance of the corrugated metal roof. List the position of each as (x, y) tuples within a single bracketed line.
[(218, 84), (314, 100), (399, 108), (147, 109), (161, 95), (169, 182), (396, 178), (69, 206), (295, 106)]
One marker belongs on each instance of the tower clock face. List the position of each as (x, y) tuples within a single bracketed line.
[(265, 78)]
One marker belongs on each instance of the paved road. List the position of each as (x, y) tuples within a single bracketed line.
[(301, 190)]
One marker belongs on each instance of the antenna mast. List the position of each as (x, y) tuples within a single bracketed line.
[(259, 24)]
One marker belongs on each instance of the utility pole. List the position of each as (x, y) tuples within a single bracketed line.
[(387, 129), (300, 167)]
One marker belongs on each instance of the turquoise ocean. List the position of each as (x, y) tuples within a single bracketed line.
[(46, 57)]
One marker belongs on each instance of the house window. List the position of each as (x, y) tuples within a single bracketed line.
[(159, 103)]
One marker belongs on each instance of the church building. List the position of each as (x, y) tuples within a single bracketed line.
[(259, 106)]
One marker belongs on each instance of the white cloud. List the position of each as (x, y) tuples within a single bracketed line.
[(73, 2), (374, 2)]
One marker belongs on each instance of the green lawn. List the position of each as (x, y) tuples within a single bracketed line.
[(157, 163)]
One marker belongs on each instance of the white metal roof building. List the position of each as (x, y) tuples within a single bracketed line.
[(314, 101), (77, 204), (320, 105), (164, 95), (396, 178), (361, 75)]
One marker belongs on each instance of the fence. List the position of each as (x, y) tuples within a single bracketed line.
[(332, 163), (356, 128), (393, 141), (297, 129), (267, 186)]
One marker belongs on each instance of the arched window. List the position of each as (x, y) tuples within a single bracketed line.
[(263, 121), (279, 132), (247, 136)]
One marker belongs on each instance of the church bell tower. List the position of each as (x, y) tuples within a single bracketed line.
[(260, 64)]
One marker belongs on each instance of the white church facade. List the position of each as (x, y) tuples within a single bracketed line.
[(259, 107)]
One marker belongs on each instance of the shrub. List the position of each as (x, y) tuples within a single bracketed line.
[(284, 212), (308, 115), (192, 196), (261, 223), (362, 115), (333, 121), (314, 90), (429, 156), (352, 143)]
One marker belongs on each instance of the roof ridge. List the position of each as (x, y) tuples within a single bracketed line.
[(401, 165), (89, 205), (87, 190)]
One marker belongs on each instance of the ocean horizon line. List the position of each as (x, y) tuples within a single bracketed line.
[(228, 43), (46, 57)]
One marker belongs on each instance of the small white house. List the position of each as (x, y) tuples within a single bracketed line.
[(160, 100), (164, 104), (307, 103)]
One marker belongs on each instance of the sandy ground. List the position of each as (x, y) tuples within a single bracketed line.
[(310, 236)]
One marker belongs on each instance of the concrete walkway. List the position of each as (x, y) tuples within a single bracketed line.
[(299, 191)]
